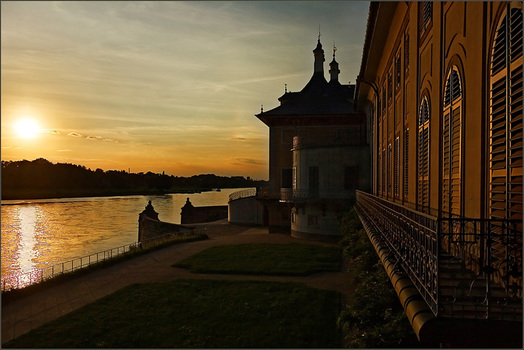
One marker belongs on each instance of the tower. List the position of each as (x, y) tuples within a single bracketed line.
[(319, 58), (334, 71)]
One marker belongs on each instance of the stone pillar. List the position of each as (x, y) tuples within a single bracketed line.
[(187, 214), (149, 212)]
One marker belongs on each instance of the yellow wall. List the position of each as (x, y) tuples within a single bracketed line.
[(460, 34)]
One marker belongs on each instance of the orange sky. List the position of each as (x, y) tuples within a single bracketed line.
[(161, 86)]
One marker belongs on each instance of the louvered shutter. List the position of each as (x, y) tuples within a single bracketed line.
[(423, 157), (389, 169), (406, 164), (379, 172), (452, 137), (383, 171), (505, 128), (396, 180)]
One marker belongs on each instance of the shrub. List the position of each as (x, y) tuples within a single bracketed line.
[(374, 317)]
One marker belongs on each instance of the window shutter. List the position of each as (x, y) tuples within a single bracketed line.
[(380, 172), (383, 170), (425, 14), (452, 138), (423, 157), (405, 167), (505, 128), (406, 53), (396, 187), (390, 163)]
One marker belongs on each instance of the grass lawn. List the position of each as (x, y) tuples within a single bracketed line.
[(265, 259), (198, 314)]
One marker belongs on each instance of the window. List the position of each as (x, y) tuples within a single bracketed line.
[(390, 87), (312, 220), (286, 178), (396, 175), (389, 168), (423, 157), (406, 164), (398, 70), (379, 177), (452, 137), (383, 170), (295, 178), (314, 181), (406, 53), (351, 177), (384, 101), (293, 217), (287, 137), (425, 14), (505, 120)]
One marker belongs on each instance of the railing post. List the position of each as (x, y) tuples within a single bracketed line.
[(489, 241)]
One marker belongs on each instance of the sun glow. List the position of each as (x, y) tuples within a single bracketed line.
[(26, 128)]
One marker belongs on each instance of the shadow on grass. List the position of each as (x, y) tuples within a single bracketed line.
[(197, 314), (265, 259)]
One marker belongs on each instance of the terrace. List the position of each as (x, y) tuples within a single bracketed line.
[(447, 268)]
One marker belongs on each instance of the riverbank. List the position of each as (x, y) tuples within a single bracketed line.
[(82, 193)]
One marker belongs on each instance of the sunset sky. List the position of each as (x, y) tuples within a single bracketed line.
[(161, 86)]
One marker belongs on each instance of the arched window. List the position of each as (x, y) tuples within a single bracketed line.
[(452, 138), (505, 121), (423, 157)]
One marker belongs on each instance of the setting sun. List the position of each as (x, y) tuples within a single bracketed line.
[(26, 128)]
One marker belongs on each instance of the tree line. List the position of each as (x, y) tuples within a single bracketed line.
[(42, 179)]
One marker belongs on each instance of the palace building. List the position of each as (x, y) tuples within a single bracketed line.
[(319, 155), (441, 83)]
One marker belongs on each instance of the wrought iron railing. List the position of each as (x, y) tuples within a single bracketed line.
[(486, 253), (19, 280), (251, 192), (412, 238)]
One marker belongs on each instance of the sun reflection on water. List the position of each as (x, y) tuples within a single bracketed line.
[(27, 238)]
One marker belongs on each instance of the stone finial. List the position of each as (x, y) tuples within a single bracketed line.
[(188, 205), (150, 212)]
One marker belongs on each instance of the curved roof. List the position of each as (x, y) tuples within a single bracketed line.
[(317, 97)]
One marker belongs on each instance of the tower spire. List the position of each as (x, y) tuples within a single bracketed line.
[(319, 56), (334, 71)]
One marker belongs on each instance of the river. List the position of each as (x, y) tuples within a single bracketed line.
[(44, 232)]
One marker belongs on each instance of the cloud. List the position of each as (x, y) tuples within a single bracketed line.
[(54, 132), (250, 161), (74, 134), (92, 138), (63, 150), (243, 138)]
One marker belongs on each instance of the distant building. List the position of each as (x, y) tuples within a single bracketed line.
[(318, 155), (441, 83)]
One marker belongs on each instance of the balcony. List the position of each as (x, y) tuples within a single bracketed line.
[(250, 192), (290, 195), (461, 267)]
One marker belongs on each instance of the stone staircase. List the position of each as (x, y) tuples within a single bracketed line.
[(462, 294)]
